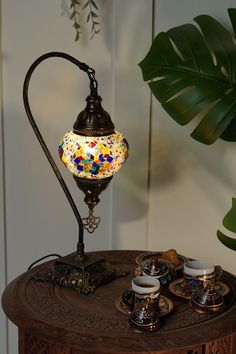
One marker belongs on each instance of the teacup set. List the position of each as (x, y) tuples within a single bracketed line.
[(143, 300), (198, 274), (199, 283), (144, 297)]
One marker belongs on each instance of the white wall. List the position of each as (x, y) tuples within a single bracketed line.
[(3, 323), (190, 186)]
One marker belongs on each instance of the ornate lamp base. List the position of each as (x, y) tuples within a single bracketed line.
[(82, 275)]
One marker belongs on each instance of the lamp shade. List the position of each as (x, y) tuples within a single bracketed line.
[(93, 157)]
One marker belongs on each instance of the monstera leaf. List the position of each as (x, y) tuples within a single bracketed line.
[(229, 222), (193, 73)]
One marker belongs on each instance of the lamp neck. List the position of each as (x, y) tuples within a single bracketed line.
[(93, 120), (93, 93)]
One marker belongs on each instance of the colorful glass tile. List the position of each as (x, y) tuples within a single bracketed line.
[(93, 157)]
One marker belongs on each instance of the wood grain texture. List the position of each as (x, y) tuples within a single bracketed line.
[(92, 324)]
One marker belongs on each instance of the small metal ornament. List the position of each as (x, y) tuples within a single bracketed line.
[(91, 222), (92, 189)]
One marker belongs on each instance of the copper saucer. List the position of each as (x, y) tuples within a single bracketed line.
[(165, 305), (176, 288)]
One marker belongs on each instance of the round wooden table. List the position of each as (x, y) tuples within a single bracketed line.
[(55, 320)]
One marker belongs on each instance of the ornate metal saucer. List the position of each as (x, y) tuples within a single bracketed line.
[(165, 306), (177, 288)]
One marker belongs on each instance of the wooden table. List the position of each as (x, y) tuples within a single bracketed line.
[(54, 320)]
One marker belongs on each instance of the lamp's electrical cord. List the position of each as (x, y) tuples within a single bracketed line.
[(42, 258)]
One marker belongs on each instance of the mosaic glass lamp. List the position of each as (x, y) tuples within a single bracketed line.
[(93, 151)]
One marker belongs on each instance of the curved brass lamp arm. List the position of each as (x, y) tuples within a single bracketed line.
[(93, 88)]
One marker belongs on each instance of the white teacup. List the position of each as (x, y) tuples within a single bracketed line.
[(199, 274), (144, 287)]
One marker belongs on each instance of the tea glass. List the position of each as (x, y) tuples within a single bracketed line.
[(143, 299), (143, 287), (199, 274)]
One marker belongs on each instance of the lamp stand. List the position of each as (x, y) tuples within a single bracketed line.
[(79, 271)]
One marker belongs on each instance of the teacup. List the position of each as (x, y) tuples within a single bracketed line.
[(198, 274), (143, 288), (143, 299)]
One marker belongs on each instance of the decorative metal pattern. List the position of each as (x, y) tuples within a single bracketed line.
[(84, 279), (91, 222)]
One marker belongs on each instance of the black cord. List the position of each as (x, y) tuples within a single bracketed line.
[(42, 258)]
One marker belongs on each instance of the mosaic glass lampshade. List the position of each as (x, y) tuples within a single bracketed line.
[(93, 157), (93, 151)]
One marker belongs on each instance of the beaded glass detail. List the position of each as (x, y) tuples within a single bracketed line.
[(93, 157)]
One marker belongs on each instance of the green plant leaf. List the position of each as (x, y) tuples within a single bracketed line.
[(232, 15), (229, 223), (229, 220), (194, 73), (227, 241)]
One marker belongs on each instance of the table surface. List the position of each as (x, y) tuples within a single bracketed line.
[(64, 316)]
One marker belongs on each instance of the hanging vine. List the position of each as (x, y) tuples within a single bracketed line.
[(92, 17)]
